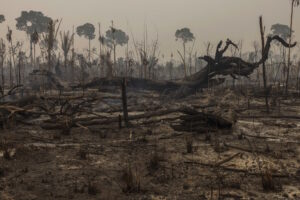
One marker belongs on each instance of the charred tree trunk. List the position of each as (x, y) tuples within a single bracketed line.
[(89, 51), (262, 33), (124, 101), (31, 56), (10, 73), (19, 68), (2, 72), (184, 62), (289, 50)]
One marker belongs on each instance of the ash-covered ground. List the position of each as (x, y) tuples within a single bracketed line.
[(164, 153)]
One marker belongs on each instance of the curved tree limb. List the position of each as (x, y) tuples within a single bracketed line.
[(219, 53), (220, 65), (270, 39)]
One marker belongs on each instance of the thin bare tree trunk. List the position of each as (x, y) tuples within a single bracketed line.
[(127, 61), (10, 73), (89, 51), (49, 59), (262, 33), (289, 51), (34, 63), (184, 65), (115, 59), (124, 101), (100, 49), (2, 72), (19, 68), (31, 59)]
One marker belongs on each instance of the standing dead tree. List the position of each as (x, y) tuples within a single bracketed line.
[(50, 39), (124, 102), (149, 60), (2, 57), (262, 33), (294, 3), (21, 59), (12, 55)]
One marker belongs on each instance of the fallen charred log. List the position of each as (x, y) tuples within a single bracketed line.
[(219, 65), (191, 120), (201, 122)]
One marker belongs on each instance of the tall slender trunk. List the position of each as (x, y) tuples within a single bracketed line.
[(289, 50), (73, 56), (49, 59), (31, 59), (2, 72), (115, 58), (145, 71), (65, 61), (184, 64), (262, 32), (34, 60), (100, 49), (10, 73), (89, 51), (72, 65), (19, 68), (127, 61), (124, 102), (12, 61)]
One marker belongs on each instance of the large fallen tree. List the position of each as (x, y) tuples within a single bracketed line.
[(217, 65)]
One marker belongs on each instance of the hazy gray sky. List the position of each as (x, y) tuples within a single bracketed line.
[(209, 20)]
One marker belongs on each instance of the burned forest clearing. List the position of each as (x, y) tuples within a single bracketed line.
[(120, 120), (216, 143)]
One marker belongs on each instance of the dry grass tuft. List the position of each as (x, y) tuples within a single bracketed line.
[(267, 181), (82, 153), (154, 162), (189, 145), (92, 189), (132, 180)]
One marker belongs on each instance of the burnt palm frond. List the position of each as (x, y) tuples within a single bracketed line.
[(296, 2), (66, 41)]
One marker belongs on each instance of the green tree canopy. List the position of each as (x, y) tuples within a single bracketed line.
[(116, 35), (32, 21), (281, 30), (185, 35), (87, 30)]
